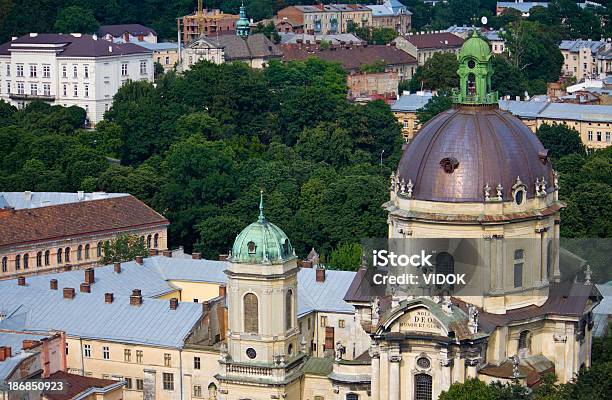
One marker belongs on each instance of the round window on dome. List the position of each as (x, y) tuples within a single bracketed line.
[(471, 64), (251, 353), (423, 362), (519, 197), (252, 247)]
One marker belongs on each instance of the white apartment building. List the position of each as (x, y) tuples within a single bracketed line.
[(70, 70)]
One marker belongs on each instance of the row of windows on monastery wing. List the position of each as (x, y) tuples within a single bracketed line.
[(66, 71), (64, 255)]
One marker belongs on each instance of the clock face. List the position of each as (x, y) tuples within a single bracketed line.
[(251, 353)]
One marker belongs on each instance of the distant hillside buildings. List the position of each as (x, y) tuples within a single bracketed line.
[(586, 59), (70, 70)]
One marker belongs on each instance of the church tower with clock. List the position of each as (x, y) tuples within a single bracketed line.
[(262, 356)]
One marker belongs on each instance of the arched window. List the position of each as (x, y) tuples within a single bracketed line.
[(212, 391), (149, 241), (80, 252), (47, 258), (352, 396), (289, 310), (251, 316), (87, 251), (26, 261), (519, 261), (4, 264), (286, 247), (422, 387), (59, 256), (471, 85), (156, 240), (17, 261), (524, 343), (39, 259), (99, 249), (67, 254)]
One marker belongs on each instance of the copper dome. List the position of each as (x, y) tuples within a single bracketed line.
[(460, 151)]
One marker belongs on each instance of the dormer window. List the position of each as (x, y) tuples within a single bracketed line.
[(251, 246), (286, 247)]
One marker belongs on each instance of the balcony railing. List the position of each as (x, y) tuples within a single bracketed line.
[(489, 98), (248, 370), (31, 97)]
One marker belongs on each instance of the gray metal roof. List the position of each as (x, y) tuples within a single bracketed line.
[(8, 366), (560, 111), (389, 8), (603, 311), (14, 340), (23, 200), (88, 316), (575, 45), (522, 7), (36, 307), (411, 102)]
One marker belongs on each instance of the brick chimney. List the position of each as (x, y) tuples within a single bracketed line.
[(306, 264), (320, 274), (152, 252), (136, 297), (222, 290), (69, 293), (223, 257), (108, 298), (68, 267), (173, 303), (139, 260), (53, 284), (117, 267), (89, 276), (167, 253), (21, 281), (5, 352), (28, 344), (196, 256), (85, 287)]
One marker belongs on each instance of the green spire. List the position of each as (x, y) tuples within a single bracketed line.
[(475, 71), (261, 214), (242, 25)]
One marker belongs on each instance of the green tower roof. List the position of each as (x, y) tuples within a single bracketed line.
[(262, 242), (475, 47), (243, 25)]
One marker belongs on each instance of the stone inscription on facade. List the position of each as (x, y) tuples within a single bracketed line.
[(419, 320)]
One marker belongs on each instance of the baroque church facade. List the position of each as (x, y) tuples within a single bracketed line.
[(472, 172)]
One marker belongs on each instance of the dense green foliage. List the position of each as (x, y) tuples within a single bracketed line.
[(376, 35), (438, 103), (123, 248), (198, 148), (437, 73)]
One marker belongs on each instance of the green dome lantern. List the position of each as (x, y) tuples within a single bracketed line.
[(262, 242), (242, 25), (475, 71)]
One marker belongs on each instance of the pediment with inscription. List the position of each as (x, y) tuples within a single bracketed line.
[(419, 320)]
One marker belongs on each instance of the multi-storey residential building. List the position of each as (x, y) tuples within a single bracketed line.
[(327, 19), (70, 70), (207, 22), (423, 46), (496, 41), (405, 109), (128, 33), (586, 59), (391, 14), (354, 57), (43, 232), (593, 122)]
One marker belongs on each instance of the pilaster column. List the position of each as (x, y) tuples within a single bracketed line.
[(470, 366), (375, 383), (394, 376)]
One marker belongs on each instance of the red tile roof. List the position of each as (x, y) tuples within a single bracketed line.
[(442, 40), (75, 385), (350, 57), (76, 219)]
